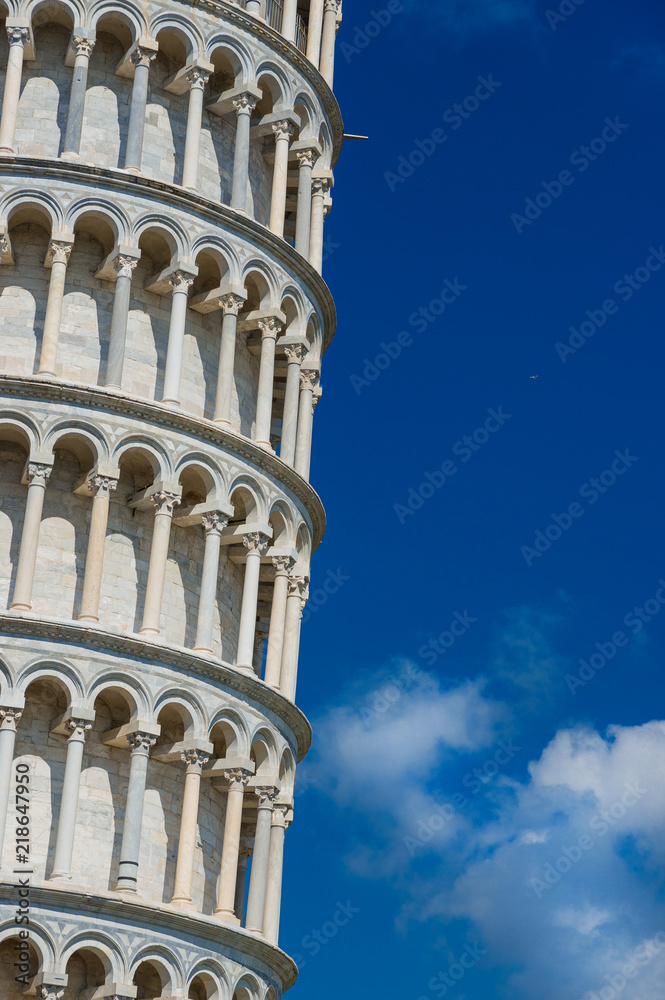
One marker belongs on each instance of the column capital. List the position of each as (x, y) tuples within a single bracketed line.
[(77, 728), (297, 586), (321, 186), (283, 130), (165, 502), (124, 265), (280, 812), (332, 6), (9, 717), (244, 103), (141, 743), (295, 353), (45, 992), (60, 251), (266, 795), (255, 541), (231, 303), (194, 759), (308, 378), (237, 777), (283, 565), (214, 521), (316, 397), (180, 281), (197, 77), (143, 54), (38, 472), (270, 327), (83, 45), (100, 485), (307, 157), (17, 34)]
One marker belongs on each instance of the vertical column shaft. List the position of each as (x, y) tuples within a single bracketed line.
[(74, 129), (140, 744), (283, 133), (124, 266), (180, 283), (306, 159), (289, 668), (231, 846), (159, 550), (17, 39), (27, 559), (231, 305), (283, 566), (213, 522), (9, 718), (244, 106), (182, 892), (320, 187), (64, 844), (289, 19), (304, 436), (327, 60), (141, 57), (273, 901), (258, 878), (190, 171), (314, 29), (270, 329), (61, 253), (241, 881), (294, 356), (256, 544), (102, 487)]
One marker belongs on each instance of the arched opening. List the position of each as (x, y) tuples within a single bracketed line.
[(249, 349), (14, 451), (203, 987), (15, 949), (166, 112), (86, 971), (219, 130), (106, 117), (151, 980), (149, 315)]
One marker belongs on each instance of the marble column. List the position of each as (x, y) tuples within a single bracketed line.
[(289, 18), (314, 30), (164, 502), (37, 475), (142, 56), (327, 60), (197, 79), (60, 254), (182, 892), (79, 84), (258, 878), (283, 566), (289, 667), (9, 718), (259, 648), (320, 188), (213, 522), (124, 267), (64, 844), (275, 867), (244, 854), (237, 779), (294, 356), (244, 105), (102, 487), (306, 158), (140, 744), (253, 7), (283, 134), (17, 39), (270, 330), (180, 283), (308, 379), (256, 544), (231, 306)]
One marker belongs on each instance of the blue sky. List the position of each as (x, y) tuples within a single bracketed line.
[(482, 816)]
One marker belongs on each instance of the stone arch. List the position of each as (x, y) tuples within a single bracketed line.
[(125, 696), (20, 429), (155, 226), (305, 107), (116, 14), (105, 214), (192, 711), (248, 500), (274, 85), (228, 730), (222, 49), (261, 284), (294, 308), (80, 437), (7, 677), (217, 262), (304, 546), (325, 141), (163, 966), (207, 982), (210, 479), (40, 939), (314, 335), (247, 988), (70, 13), (103, 947), (147, 449), (179, 28), (65, 676), (287, 771), (282, 524), (263, 751), (45, 208)]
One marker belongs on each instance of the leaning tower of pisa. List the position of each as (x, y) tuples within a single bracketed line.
[(165, 171)]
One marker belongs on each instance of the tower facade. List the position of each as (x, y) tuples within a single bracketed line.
[(165, 171)]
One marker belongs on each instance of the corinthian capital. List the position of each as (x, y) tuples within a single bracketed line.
[(18, 35), (45, 992), (165, 502), (295, 353), (307, 157), (283, 565), (283, 130), (308, 378), (270, 327), (332, 6), (244, 104), (142, 56), (266, 795), (101, 485), (195, 758), (124, 265), (83, 46), (39, 473), (9, 717), (231, 303), (60, 251), (255, 541), (213, 520), (237, 777), (180, 282), (141, 742)]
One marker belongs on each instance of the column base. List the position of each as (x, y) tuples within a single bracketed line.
[(47, 374), (133, 170), (93, 619), (203, 649), (20, 607), (249, 670), (227, 917), (183, 903), (148, 630), (175, 403), (125, 888), (6, 151), (71, 156), (264, 444), (222, 422), (64, 876)]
